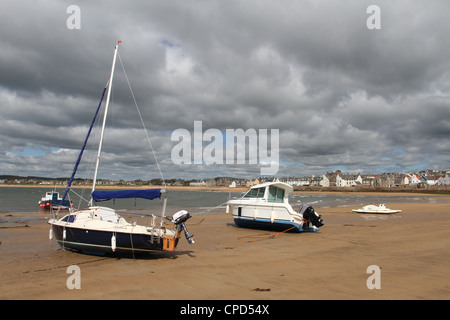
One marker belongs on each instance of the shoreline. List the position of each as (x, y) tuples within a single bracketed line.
[(312, 190)]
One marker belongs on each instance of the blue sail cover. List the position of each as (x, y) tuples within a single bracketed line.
[(122, 194)]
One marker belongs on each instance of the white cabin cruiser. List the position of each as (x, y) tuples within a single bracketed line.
[(266, 206), (376, 209)]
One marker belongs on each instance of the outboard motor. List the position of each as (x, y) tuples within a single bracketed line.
[(179, 219), (310, 215)]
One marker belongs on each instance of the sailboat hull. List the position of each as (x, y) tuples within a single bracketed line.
[(101, 241)]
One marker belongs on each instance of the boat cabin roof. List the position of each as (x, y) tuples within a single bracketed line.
[(270, 191), (287, 187)]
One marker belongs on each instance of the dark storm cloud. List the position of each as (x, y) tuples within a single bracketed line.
[(342, 96)]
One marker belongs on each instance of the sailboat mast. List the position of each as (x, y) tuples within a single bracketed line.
[(104, 117)]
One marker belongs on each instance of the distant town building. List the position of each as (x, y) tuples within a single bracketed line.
[(197, 184), (348, 180), (443, 180)]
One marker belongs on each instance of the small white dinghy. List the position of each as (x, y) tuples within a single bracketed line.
[(376, 209)]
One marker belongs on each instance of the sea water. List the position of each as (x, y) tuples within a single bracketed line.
[(25, 200)]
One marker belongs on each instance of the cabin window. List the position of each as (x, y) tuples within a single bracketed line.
[(255, 193), (276, 194), (69, 218)]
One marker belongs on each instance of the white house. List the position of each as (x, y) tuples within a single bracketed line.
[(443, 180), (325, 182), (303, 181), (406, 179), (197, 184), (348, 180), (414, 180), (316, 181)]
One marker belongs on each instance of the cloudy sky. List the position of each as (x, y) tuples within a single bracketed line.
[(342, 95)]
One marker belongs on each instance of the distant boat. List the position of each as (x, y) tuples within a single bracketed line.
[(102, 229), (266, 206), (376, 209), (52, 200)]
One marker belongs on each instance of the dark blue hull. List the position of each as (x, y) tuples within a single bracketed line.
[(277, 225), (100, 241)]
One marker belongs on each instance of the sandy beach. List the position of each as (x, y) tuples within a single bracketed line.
[(227, 262)]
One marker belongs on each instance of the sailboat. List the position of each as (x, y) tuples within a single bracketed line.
[(101, 229)]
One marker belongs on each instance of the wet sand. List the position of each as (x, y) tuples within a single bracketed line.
[(228, 262)]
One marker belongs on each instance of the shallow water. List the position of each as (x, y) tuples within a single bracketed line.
[(25, 200)]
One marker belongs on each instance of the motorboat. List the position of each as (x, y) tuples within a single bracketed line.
[(52, 200), (266, 206), (375, 209)]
